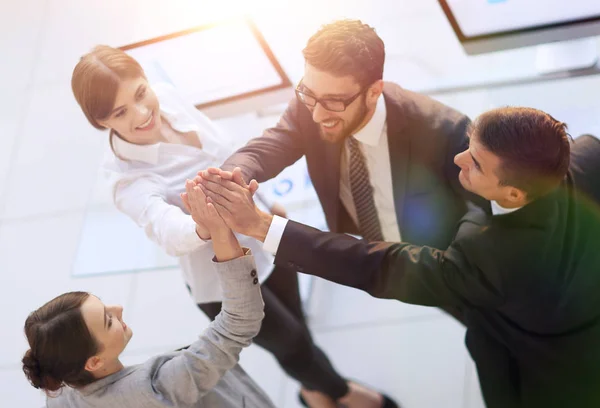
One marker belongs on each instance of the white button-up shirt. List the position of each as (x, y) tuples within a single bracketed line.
[(373, 142), (147, 182), (497, 209)]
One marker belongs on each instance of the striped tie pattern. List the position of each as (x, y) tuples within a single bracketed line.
[(362, 193)]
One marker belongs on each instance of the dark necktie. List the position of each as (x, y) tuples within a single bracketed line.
[(362, 193)]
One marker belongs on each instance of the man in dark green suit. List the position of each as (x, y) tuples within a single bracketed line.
[(525, 281)]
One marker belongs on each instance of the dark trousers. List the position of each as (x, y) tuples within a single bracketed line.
[(284, 334)]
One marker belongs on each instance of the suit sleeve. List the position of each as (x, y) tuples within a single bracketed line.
[(279, 147), (184, 379), (412, 274)]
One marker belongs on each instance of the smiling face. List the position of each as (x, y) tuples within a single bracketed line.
[(105, 323), (135, 115), (336, 126), (343, 62)]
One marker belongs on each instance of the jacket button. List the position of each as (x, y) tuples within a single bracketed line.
[(253, 273), (255, 281)]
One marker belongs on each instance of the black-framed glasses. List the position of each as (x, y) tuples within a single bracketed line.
[(333, 105)]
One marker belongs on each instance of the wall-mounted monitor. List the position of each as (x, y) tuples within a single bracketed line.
[(492, 25)]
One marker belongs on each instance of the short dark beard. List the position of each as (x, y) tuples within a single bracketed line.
[(352, 126)]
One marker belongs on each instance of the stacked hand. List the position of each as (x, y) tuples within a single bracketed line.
[(203, 212), (232, 198)]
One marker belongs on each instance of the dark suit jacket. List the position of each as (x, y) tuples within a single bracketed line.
[(423, 137), (528, 283)]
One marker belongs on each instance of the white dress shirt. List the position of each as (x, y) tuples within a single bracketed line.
[(497, 209), (147, 181), (373, 141)]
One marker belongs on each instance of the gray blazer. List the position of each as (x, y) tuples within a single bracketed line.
[(204, 375)]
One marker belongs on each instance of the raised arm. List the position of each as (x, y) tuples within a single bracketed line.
[(409, 273), (196, 370), (279, 147), (143, 200)]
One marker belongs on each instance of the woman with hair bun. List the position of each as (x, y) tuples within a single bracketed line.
[(75, 342)]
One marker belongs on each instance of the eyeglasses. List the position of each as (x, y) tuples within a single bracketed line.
[(333, 105)]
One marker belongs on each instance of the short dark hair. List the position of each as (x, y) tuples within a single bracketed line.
[(347, 47), (534, 148), (60, 344)]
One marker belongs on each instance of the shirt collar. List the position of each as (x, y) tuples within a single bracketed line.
[(371, 133), (130, 151), (497, 209)]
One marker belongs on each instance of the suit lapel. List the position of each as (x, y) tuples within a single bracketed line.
[(399, 147)]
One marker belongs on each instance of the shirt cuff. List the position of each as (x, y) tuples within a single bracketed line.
[(274, 235), (247, 253), (237, 273), (192, 237)]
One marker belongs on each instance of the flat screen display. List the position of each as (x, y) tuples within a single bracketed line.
[(480, 18)]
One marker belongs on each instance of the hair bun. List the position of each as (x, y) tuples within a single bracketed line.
[(31, 367), (33, 371)]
